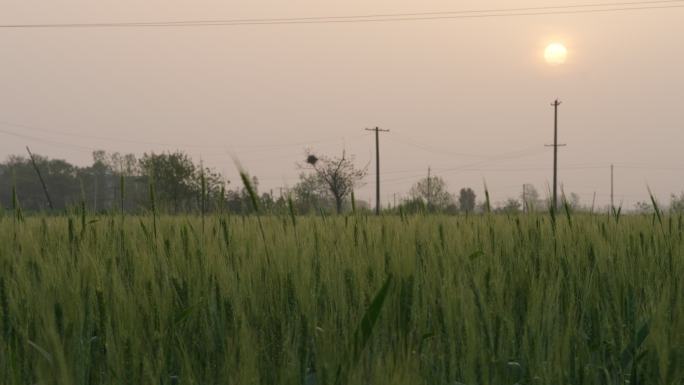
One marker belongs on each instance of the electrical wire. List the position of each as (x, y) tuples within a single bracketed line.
[(387, 17), (433, 150), (264, 147), (61, 144)]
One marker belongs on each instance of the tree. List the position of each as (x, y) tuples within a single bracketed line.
[(311, 193), (573, 200), (677, 203), (412, 206), (642, 207), (102, 181), (339, 175), (126, 164), (172, 175), (178, 181), (466, 199), (511, 206), (530, 197), (59, 175), (433, 191), (245, 195), (211, 195)]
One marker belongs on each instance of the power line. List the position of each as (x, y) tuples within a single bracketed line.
[(265, 147), (414, 174), (513, 155), (505, 156), (412, 14), (433, 150), (68, 145), (389, 17)]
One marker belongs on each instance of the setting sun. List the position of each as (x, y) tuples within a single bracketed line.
[(555, 54)]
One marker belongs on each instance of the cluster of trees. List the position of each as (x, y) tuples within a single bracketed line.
[(431, 194), (123, 181), (112, 181), (178, 185), (676, 205)]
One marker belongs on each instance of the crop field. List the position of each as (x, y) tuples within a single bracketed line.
[(355, 299)]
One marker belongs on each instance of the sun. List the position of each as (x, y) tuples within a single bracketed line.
[(556, 54)]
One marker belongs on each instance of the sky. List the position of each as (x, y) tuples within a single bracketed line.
[(469, 98)]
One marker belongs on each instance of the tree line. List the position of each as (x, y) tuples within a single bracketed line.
[(174, 183), (171, 181)]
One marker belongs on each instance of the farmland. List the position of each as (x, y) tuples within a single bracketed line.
[(353, 299)]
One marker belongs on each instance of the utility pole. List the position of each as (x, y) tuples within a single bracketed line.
[(377, 167), (555, 146), (612, 202)]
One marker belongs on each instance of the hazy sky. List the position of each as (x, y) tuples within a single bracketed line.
[(469, 97)]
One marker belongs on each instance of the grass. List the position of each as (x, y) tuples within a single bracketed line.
[(218, 299)]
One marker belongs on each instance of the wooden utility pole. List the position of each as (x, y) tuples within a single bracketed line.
[(555, 146), (377, 167), (612, 201), (42, 182)]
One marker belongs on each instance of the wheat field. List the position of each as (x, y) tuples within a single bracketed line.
[(356, 299)]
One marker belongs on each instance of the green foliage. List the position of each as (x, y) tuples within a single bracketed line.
[(477, 299), (250, 190), (180, 184), (511, 206), (677, 203), (466, 200), (434, 192), (370, 318), (311, 194)]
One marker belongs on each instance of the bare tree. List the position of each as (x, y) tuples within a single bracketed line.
[(338, 173)]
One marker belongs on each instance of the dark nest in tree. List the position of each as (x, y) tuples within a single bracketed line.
[(312, 160)]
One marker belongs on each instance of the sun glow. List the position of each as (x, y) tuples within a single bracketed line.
[(555, 54)]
